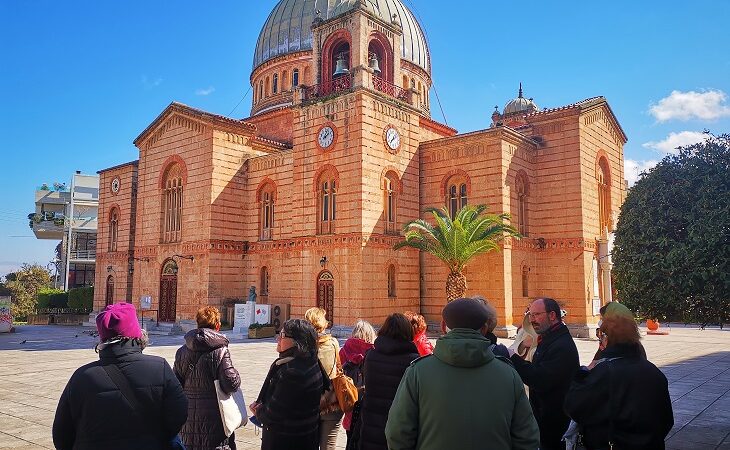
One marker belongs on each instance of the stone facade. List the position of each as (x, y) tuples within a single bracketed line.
[(221, 204)]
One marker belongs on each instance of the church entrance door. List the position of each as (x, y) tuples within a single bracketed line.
[(168, 292), (326, 294), (109, 290)]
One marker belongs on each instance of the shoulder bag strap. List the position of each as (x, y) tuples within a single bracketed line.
[(122, 383)]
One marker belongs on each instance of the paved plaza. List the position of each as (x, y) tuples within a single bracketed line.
[(36, 362)]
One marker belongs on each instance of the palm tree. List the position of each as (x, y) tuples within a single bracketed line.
[(456, 241)]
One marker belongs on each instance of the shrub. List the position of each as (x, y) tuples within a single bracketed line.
[(81, 298), (44, 297), (59, 300)]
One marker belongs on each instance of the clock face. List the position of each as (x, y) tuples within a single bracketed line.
[(115, 185), (326, 137), (392, 138)]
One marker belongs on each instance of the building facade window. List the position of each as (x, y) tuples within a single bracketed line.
[(264, 281), (457, 196), (525, 281), (327, 204), (295, 78), (261, 89), (604, 195), (266, 200), (390, 199), (113, 230), (522, 205), (172, 205), (275, 84), (392, 281)]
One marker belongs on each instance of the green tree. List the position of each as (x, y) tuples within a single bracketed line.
[(455, 242), (24, 287), (672, 244)]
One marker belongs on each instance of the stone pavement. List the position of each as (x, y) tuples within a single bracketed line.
[(36, 362)]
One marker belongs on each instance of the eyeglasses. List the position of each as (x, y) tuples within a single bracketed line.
[(600, 334), (534, 314), (282, 335)]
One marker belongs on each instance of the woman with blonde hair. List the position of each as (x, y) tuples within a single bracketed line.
[(352, 356), (203, 359), (328, 350)]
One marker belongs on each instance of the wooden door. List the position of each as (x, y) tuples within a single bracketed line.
[(168, 298), (109, 290), (326, 295)]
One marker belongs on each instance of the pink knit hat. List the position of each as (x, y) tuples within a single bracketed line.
[(119, 319)]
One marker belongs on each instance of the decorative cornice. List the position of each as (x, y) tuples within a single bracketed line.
[(436, 127)]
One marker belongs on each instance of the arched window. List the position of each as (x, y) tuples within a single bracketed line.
[(604, 195), (172, 204), (113, 230), (264, 281), (392, 281), (522, 205), (261, 89), (525, 281), (327, 203), (267, 86), (390, 203), (267, 196), (413, 83), (457, 195), (275, 84), (295, 78)]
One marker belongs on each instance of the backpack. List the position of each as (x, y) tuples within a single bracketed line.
[(354, 371)]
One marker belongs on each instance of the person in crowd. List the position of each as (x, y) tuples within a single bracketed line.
[(602, 341), (384, 367), (549, 374), (623, 401), (462, 396), (328, 350), (203, 359), (418, 322), (287, 408), (94, 412), (352, 356), (497, 348)]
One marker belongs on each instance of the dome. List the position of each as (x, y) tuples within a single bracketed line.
[(520, 105), (288, 28)]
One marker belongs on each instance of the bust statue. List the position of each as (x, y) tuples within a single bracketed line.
[(252, 294)]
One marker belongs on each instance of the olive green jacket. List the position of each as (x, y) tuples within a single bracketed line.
[(461, 397)]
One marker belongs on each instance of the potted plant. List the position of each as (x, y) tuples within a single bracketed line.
[(261, 330)]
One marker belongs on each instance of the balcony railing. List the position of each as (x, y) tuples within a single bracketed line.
[(83, 254), (386, 87), (339, 84)]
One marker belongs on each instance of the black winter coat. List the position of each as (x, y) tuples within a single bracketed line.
[(548, 376), (624, 400), (289, 398), (383, 369), (92, 414), (203, 359)]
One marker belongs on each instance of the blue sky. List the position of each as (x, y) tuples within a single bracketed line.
[(79, 80)]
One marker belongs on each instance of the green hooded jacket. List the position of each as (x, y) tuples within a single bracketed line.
[(462, 397)]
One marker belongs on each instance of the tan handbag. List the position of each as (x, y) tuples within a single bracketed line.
[(342, 392)]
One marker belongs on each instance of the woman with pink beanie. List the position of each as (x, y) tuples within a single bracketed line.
[(125, 400)]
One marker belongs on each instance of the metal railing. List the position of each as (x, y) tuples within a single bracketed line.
[(83, 254), (386, 87), (335, 86)]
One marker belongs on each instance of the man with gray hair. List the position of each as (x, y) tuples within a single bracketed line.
[(461, 396)]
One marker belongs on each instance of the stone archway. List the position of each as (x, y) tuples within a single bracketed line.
[(168, 292), (326, 294)]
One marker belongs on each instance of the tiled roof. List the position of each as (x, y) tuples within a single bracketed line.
[(581, 104)]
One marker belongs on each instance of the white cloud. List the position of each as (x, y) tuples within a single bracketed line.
[(208, 91), (632, 169), (707, 105), (674, 140), (151, 83)]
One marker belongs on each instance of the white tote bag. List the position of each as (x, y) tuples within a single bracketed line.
[(232, 408)]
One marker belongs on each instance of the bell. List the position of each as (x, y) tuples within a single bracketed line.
[(374, 64), (341, 68)]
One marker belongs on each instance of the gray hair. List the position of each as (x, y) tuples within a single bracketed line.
[(363, 330), (491, 322)]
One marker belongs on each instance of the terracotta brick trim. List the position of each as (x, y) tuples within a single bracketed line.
[(266, 182), (398, 180), (456, 173), (169, 162), (322, 171)]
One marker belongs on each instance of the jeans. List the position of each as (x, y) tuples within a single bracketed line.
[(329, 426)]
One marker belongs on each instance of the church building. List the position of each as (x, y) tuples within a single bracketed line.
[(305, 198)]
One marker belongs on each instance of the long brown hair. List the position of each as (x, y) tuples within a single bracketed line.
[(398, 327)]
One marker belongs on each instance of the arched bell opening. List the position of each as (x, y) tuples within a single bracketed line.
[(380, 57)]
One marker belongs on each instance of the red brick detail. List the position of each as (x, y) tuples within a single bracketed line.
[(521, 174), (169, 162), (603, 155), (456, 173), (438, 128), (321, 171), (394, 172), (385, 51), (264, 183), (338, 37)]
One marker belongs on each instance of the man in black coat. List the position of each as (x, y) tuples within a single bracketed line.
[(549, 374), (93, 413)]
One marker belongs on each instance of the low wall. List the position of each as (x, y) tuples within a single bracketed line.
[(57, 319)]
